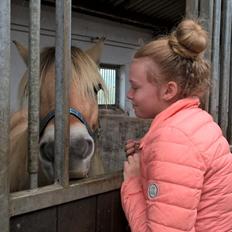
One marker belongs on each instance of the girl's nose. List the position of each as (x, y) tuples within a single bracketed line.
[(129, 94)]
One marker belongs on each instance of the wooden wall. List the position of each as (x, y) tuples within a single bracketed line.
[(99, 213)]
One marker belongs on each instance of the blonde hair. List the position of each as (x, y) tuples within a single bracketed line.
[(180, 58), (85, 74)]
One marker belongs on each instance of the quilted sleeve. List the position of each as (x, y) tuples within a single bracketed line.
[(174, 174), (133, 200)]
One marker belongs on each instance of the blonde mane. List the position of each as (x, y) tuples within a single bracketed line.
[(85, 74)]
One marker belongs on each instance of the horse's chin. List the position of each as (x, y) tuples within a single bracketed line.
[(73, 175), (79, 169)]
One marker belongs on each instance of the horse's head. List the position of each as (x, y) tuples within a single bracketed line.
[(85, 82)]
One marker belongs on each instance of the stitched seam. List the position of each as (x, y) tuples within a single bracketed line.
[(189, 139), (225, 154), (159, 223), (185, 165), (171, 204), (182, 185)]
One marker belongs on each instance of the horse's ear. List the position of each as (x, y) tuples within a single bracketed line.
[(23, 51), (96, 50)]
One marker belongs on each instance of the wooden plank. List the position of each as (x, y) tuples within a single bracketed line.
[(30, 200), (191, 9), (77, 216), (225, 65), (229, 132), (214, 99), (39, 221), (206, 16), (34, 91), (100, 213), (4, 112), (63, 74), (110, 216)]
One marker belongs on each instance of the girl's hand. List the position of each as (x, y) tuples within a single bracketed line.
[(131, 147), (132, 166)]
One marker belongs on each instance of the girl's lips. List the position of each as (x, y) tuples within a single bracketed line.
[(135, 107)]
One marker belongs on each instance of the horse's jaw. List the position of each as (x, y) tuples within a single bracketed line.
[(81, 151)]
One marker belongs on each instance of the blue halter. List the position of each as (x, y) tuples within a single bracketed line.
[(44, 122)]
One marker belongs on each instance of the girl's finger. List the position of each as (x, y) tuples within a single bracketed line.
[(130, 145), (129, 148), (130, 151), (126, 164), (129, 140), (130, 159), (136, 157)]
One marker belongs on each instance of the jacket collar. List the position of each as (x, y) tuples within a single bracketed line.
[(191, 102)]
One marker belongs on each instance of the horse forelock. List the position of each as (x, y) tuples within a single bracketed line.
[(85, 73)]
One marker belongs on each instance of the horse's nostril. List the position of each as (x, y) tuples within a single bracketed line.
[(81, 148), (47, 151)]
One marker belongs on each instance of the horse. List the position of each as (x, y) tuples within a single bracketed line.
[(84, 84)]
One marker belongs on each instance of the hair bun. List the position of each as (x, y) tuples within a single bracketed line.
[(189, 40)]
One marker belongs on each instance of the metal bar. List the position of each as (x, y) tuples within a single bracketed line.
[(118, 18), (225, 65), (229, 132), (117, 87), (159, 8), (63, 74), (145, 8), (130, 4), (171, 11), (206, 15), (4, 112), (75, 37), (33, 103), (28, 201), (215, 67), (192, 8)]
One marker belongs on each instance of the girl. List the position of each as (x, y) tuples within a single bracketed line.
[(181, 177)]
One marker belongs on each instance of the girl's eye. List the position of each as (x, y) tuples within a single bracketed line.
[(134, 87)]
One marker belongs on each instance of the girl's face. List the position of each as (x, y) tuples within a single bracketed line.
[(145, 96)]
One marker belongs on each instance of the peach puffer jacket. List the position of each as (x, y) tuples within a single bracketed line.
[(186, 175)]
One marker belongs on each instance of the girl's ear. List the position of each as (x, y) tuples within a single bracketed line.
[(170, 91)]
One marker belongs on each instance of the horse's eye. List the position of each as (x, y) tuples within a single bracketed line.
[(97, 88)]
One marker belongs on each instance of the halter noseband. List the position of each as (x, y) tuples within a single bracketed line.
[(44, 122)]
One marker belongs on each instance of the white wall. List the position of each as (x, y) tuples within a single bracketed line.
[(120, 45)]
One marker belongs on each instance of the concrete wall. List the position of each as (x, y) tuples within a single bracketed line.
[(121, 42), (115, 130)]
